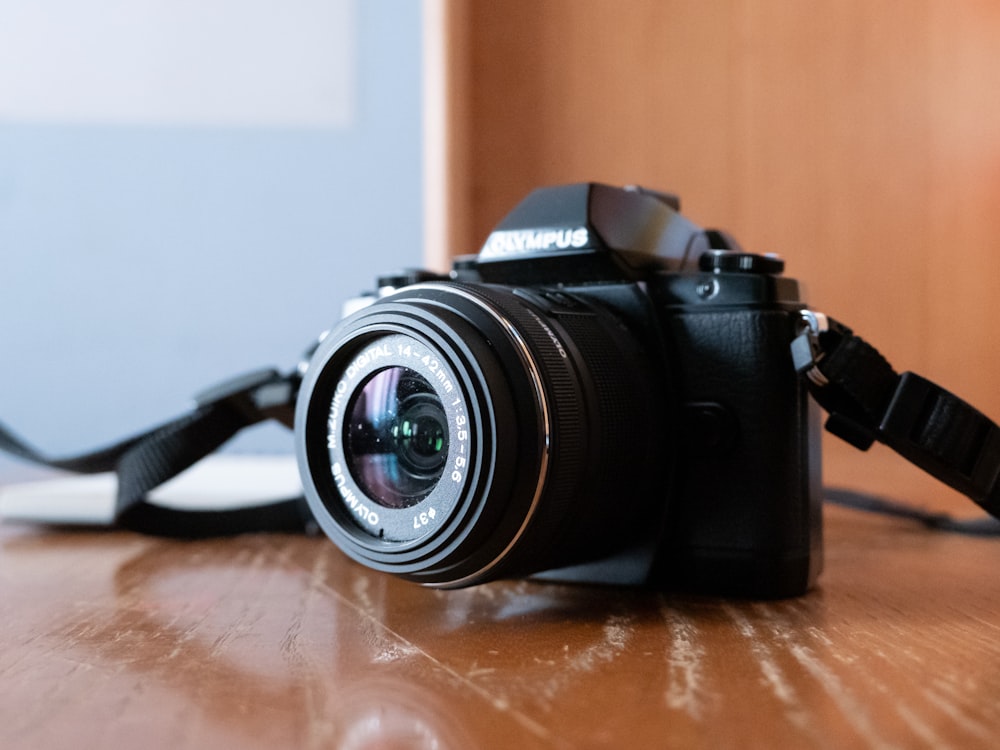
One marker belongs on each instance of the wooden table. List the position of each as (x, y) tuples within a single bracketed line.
[(108, 639)]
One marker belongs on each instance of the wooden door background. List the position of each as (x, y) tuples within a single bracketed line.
[(860, 140)]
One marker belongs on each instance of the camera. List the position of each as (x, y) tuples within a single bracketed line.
[(604, 394)]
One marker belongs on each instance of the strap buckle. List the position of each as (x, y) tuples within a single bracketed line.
[(946, 437), (807, 351)]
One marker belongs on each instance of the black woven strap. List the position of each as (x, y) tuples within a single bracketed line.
[(926, 424), (147, 460)]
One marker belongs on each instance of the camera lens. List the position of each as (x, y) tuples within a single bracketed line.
[(457, 433), (396, 440)]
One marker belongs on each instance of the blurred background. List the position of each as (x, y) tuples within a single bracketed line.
[(144, 259), (190, 190)]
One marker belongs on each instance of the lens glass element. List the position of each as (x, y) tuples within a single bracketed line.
[(396, 437)]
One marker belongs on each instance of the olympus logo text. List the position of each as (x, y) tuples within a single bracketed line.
[(524, 241)]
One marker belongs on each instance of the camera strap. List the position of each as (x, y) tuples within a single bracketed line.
[(867, 401), (145, 461)]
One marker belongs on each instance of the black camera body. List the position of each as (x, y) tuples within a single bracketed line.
[(605, 394)]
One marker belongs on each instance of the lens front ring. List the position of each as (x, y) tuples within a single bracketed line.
[(506, 454)]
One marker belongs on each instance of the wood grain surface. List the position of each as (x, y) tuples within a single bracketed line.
[(116, 640)]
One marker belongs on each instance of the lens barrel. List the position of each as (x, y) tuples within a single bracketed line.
[(453, 434)]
